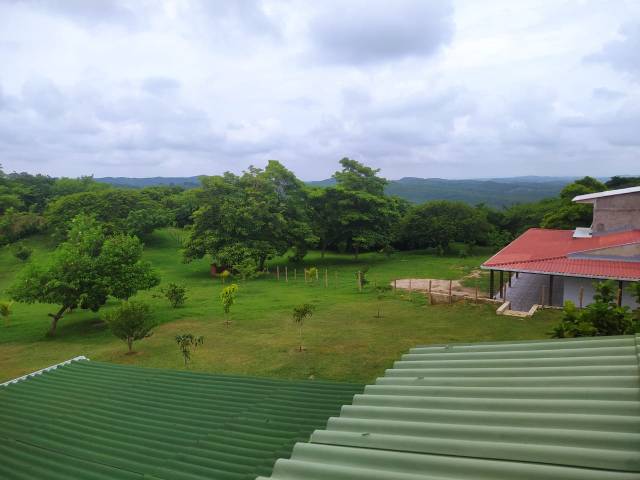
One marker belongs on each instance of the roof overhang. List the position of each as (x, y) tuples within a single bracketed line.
[(592, 197)]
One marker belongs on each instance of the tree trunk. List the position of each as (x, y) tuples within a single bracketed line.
[(130, 344), (54, 320), (300, 331)]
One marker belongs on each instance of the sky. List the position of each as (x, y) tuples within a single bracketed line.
[(450, 89)]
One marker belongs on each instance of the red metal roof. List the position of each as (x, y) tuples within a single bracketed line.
[(546, 251)]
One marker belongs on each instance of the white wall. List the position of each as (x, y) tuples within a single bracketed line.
[(572, 291)]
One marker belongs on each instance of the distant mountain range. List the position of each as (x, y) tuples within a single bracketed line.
[(496, 192)]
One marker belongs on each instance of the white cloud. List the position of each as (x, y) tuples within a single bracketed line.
[(185, 87)]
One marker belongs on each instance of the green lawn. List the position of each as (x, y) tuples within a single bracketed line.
[(344, 339)]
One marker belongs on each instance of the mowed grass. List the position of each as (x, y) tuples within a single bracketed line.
[(344, 339)]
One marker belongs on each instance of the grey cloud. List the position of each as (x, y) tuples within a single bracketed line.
[(603, 93), (624, 53), (92, 12), (246, 15), (161, 86), (368, 32)]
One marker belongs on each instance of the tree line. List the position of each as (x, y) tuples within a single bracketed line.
[(265, 212)]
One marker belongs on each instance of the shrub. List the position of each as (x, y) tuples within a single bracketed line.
[(600, 318), (5, 310), (22, 252), (247, 268), (176, 294), (131, 321)]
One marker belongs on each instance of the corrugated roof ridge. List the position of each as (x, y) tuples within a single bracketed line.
[(43, 370)]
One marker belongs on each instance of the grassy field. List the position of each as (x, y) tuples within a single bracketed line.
[(344, 340)]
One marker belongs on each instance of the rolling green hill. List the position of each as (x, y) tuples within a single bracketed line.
[(498, 192)]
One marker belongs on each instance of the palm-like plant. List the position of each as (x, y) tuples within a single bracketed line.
[(186, 342), (299, 314)]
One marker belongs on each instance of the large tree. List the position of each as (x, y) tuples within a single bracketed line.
[(257, 215), (439, 222), (364, 216), (85, 270), (568, 215)]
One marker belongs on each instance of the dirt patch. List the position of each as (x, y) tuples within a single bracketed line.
[(438, 286)]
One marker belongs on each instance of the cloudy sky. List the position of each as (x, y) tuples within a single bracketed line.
[(454, 89)]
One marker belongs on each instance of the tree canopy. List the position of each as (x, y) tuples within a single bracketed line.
[(85, 270), (257, 215)]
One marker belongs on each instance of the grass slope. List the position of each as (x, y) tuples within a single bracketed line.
[(344, 339)]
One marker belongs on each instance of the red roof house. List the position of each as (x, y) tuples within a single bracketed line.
[(570, 261)]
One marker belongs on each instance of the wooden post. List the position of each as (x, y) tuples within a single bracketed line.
[(430, 296), (286, 274), (278, 272), (504, 293), (620, 293), (581, 295), (501, 282), (491, 284), (450, 297), (551, 290), (326, 278)]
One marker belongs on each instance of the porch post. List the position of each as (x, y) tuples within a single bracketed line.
[(501, 283), (619, 293), (491, 284), (509, 274)]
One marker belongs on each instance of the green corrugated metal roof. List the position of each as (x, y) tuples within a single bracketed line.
[(91, 420), (552, 410)]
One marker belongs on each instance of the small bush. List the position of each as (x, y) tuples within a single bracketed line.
[(22, 252), (176, 294), (600, 318), (131, 321), (5, 310)]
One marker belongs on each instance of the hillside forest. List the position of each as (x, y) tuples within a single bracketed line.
[(266, 212)]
